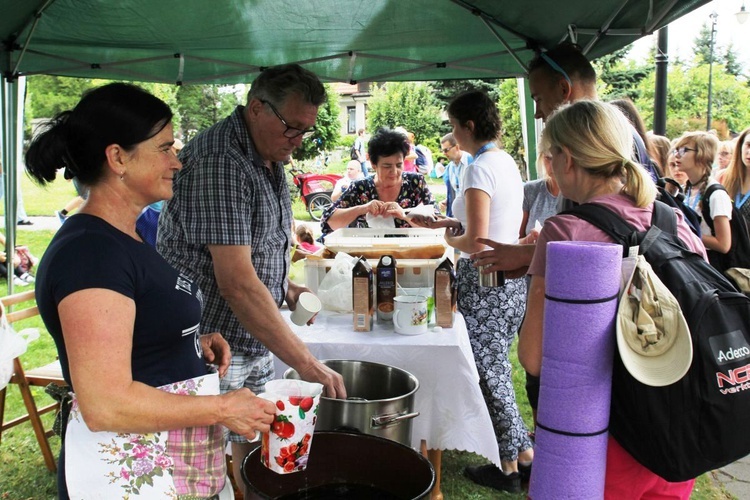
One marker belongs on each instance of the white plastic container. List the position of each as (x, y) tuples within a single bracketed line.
[(396, 241)]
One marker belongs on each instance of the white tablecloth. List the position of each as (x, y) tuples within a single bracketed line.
[(453, 414)]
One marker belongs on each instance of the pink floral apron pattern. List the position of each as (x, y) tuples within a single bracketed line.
[(184, 463)]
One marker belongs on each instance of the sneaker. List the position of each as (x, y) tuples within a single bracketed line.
[(19, 282), (27, 278), (60, 216), (25, 222), (490, 475)]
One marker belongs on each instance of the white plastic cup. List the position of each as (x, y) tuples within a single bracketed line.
[(308, 305)]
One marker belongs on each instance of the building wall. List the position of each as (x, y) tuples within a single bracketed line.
[(353, 103)]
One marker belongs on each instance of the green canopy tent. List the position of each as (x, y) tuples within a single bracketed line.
[(231, 41)]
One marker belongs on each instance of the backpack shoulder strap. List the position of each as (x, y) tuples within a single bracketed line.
[(664, 218), (710, 190), (608, 221), (706, 204)]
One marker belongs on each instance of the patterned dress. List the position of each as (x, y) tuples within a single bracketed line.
[(414, 191), (493, 316)]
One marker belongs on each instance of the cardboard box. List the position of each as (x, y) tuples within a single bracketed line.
[(410, 273), (363, 301)]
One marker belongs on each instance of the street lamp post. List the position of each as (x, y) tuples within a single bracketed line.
[(713, 16), (742, 14)]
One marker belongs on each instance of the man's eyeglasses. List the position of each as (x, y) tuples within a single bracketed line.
[(680, 152), (445, 150), (290, 132)]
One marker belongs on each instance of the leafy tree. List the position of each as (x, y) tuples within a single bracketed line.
[(46, 95), (702, 46), (510, 117), (687, 99), (732, 64), (617, 77), (201, 106), (411, 105), (445, 90), (327, 129)]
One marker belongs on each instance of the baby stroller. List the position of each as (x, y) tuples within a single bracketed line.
[(315, 190)]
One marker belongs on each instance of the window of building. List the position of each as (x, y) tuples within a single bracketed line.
[(351, 120)]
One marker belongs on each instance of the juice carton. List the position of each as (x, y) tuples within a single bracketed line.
[(446, 292), (362, 296), (386, 287)]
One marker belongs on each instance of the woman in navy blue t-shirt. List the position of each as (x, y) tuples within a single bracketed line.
[(147, 417)]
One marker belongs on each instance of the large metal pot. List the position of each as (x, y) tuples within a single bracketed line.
[(380, 400), (345, 465)]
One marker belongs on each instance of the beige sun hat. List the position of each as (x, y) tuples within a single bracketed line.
[(653, 338)]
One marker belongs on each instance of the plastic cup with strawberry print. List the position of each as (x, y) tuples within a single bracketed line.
[(286, 447)]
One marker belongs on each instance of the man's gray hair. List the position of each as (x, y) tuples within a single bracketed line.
[(449, 139), (277, 83)]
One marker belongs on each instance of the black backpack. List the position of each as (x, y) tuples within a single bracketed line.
[(701, 422), (739, 254), (677, 201), (353, 152)]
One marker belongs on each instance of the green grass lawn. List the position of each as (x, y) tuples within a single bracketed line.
[(23, 474), (43, 201)]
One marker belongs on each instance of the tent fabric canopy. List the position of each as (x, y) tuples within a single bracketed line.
[(230, 41)]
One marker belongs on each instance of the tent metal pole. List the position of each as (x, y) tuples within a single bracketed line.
[(352, 65), (9, 98), (528, 127), (479, 12), (660, 90), (662, 13), (511, 52), (604, 28), (37, 18)]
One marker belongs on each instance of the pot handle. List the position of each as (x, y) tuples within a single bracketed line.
[(391, 418)]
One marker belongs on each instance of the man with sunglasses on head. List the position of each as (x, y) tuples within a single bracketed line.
[(228, 227), (563, 75), (458, 161)]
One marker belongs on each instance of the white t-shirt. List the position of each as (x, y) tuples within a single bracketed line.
[(495, 173), (720, 204)]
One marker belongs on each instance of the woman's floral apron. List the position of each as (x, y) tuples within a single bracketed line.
[(183, 464)]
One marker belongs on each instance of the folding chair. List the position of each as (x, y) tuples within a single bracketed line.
[(41, 377)]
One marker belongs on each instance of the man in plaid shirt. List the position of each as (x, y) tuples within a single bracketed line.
[(228, 226)]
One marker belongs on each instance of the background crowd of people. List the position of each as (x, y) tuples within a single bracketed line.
[(219, 263)]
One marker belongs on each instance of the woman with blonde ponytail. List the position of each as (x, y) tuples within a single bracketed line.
[(591, 143)]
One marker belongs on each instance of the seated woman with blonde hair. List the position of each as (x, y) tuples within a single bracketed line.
[(591, 144)]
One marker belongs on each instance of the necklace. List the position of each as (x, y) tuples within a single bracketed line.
[(692, 202)]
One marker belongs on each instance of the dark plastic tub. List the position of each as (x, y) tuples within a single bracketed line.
[(346, 465)]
